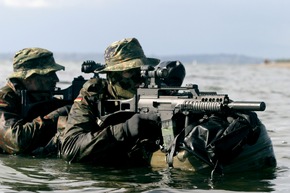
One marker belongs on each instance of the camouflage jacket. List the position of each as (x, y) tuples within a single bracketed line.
[(84, 140), (18, 134)]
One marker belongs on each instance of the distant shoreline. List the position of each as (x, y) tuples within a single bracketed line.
[(278, 64)]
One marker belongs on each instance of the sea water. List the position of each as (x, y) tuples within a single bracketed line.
[(253, 82)]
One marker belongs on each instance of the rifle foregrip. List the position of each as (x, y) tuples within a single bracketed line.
[(201, 106)]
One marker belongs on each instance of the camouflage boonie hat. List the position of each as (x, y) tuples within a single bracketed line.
[(30, 61), (124, 55)]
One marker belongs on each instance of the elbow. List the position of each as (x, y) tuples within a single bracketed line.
[(69, 150)]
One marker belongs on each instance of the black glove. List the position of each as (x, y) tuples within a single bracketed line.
[(62, 111), (143, 126)]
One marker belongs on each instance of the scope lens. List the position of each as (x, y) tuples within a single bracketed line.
[(161, 72)]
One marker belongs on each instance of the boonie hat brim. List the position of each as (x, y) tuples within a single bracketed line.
[(27, 73), (135, 63)]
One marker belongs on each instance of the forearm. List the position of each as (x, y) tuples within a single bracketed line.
[(83, 146), (83, 138), (18, 136)]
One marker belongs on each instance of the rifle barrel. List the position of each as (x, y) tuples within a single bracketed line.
[(247, 105)]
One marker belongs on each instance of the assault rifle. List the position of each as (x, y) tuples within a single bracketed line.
[(175, 104), (172, 101)]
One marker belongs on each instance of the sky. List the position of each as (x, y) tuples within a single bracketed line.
[(256, 28)]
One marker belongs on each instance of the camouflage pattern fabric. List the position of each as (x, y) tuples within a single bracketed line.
[(86, 139), (124, 55), (30, 61), (19, 135), (120, 87)]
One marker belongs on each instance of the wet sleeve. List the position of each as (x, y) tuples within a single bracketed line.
[(83, 138), (18, 136)]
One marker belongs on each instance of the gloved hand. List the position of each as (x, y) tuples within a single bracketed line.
[(62, 111), (143, 126)]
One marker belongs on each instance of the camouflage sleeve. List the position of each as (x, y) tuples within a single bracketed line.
[(18, 136), (84, 140)]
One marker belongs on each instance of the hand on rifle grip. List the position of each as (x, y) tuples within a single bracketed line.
[(143, 125)]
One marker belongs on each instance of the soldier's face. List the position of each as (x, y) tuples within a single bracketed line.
[(45, 82), (132, 76)]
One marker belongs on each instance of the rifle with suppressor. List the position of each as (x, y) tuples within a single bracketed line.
[(153, 95), (171, 101)]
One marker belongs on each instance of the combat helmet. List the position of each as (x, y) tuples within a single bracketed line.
[(124, 55), (35, 60)]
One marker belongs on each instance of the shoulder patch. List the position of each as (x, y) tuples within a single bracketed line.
[(78, 99), (3, 103)]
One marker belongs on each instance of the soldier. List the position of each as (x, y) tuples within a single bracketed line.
[(33, 79), (222, 141), (86, 138)]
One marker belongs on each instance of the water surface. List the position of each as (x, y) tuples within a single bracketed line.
[(240, 82)]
